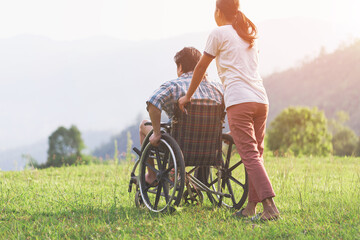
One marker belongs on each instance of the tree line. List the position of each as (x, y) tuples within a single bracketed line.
[(297, 131)]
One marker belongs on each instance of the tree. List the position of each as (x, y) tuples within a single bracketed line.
[(344, 142), (301, 131), (344, 139), (357, 150), (65, 146)]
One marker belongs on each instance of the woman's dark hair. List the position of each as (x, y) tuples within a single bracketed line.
[(243, 26), (188, 57)]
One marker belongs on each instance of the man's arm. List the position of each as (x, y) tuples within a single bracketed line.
[(155, 116)]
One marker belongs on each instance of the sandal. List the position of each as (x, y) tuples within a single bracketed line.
[(258, 218), (240, 214)]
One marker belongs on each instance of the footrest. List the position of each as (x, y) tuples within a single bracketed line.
[(133, 180), (137, 151)]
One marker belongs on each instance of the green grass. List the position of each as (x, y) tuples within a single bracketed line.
[(318, 199)]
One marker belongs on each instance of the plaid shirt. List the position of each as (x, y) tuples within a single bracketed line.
[(167, 95)]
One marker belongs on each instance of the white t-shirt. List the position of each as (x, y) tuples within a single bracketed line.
[(237, 66)]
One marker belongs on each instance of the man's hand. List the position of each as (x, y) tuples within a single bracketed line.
[(154, 139), (182, 102)]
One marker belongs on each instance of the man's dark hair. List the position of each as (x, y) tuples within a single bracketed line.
[(188, 57)]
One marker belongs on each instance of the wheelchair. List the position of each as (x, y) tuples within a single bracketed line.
[(193, 156)]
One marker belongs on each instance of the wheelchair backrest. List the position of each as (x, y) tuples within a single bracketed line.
[(198, 133)]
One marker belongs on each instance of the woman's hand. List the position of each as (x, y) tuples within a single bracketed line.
[(155, 139), (182, 102)]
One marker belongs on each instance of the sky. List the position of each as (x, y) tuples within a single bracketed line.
[(152, 19)]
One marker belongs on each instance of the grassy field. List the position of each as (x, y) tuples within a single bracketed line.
[(318, 199)]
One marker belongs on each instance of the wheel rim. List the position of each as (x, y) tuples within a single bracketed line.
[(158, 198)]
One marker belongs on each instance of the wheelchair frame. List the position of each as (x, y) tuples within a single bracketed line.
[(172, 178)]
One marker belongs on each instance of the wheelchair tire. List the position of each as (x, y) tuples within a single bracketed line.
[(169, 166), (234, 180)]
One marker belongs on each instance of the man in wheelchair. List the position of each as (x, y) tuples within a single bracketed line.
[(165, 98)]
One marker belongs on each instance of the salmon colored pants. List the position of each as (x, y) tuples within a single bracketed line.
[(247, 123)]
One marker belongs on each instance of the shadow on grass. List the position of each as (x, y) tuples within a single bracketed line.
[(88, 212)]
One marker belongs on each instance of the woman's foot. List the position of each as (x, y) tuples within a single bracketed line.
[(270, 210), (248, 211)]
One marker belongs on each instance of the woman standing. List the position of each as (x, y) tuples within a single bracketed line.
[(233, 46)]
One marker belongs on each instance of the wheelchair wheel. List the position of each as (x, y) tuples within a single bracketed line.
[(193, 196), (233, 177), (169, 167)]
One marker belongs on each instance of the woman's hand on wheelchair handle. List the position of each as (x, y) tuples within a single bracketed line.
[(155, 139), (182, 102)]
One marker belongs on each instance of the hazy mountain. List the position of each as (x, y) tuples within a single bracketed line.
[(331, 82)]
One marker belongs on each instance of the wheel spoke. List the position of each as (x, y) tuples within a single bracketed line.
[(151, 167), (169, 181), (231, 191), (158, 159), (166, 191), (227, 162), (147, 188), (165, 159), (223, 181), (235, 166), (157, 198), (236, 181), (213, 182)]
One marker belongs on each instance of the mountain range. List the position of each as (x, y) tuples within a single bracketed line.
[(330, 82)]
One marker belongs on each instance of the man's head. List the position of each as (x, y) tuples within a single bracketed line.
[(186, 59)]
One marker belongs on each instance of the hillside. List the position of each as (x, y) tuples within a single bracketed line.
[(331, 82)]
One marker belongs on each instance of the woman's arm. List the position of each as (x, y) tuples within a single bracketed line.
[(198, 76)]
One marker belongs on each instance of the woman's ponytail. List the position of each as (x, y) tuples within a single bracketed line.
[(245, 28)]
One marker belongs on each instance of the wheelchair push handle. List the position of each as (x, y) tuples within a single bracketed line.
[(177, 109)]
